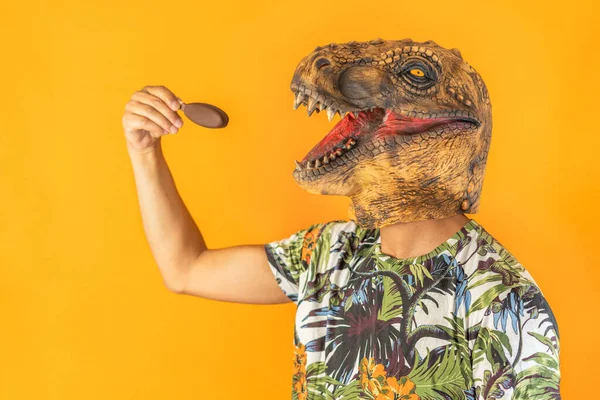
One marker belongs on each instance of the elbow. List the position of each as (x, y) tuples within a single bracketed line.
[(175, 289), (175, 285)]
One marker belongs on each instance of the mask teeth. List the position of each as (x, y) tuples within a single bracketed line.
[(349, 144), (299, 99), (330, 113), (314, 105), (338, 152)]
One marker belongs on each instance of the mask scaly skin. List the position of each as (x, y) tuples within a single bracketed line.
[(415, 131)]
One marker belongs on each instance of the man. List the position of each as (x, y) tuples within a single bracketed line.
[(409, 299)]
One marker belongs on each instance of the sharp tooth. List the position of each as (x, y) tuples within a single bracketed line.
[(309, 165), (338, 152), (298, 166), (312, 105), (325, 160), (317, 163), (352, 142), (332, 156), (341, 113), (330, 113), (320, 106), (355, 114), (298, 100)]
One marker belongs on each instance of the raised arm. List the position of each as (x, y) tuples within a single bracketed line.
[(236, 274)]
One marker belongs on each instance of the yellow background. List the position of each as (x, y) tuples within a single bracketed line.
[(85, 314)]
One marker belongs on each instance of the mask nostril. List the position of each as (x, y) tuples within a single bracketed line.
[(321, 62)]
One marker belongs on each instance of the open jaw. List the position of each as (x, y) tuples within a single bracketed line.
[(362, 134)]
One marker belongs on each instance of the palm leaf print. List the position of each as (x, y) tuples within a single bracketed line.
[(439, 378)]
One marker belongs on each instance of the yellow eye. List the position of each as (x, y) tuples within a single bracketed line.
[(417, 72)]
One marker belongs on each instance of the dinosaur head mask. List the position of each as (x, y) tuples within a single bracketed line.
[(414, 135)]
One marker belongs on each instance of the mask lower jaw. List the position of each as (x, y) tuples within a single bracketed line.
[(377, 211)]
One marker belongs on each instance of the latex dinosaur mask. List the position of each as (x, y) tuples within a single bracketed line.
[(414, 135)]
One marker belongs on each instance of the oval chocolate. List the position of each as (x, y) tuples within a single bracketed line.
[(206, 115)]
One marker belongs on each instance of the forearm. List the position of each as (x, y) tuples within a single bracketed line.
[(174, 237)]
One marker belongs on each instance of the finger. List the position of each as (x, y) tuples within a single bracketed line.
[(165, 95), (136, 122), (152, 114), (157, 103)]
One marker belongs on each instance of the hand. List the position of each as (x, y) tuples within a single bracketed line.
[(149, 115)]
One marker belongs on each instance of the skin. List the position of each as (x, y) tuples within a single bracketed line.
[(235, 274), (415, 134)]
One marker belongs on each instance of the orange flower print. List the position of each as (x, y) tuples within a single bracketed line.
[(310, 239), (372, 375), (299, 378), (299, 359), (394, 390), (300, 387)]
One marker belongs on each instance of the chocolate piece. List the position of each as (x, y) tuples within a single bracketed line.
[(206, 115)]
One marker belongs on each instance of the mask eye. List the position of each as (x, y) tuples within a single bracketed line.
[(417, 73)]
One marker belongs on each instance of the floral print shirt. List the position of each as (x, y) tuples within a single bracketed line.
[(464, 321)]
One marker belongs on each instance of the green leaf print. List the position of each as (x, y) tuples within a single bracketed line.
[(316, 369), (491, 343), (487, 279), (457, 334), (317, 379), (351, 391), (496, 381), (541, 381), (488, 297), (497, 247), (322, 250), (420, 271), (545, 341), (544, 360), (444, 376), (391, 304)]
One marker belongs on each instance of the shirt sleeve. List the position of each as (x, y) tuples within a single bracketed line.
[(516, 353), (290, 257)]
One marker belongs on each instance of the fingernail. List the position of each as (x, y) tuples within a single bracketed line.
[(178, 123), (173, 129), (176, 105)]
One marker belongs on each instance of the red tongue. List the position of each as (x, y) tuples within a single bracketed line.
[(399, 124), (341, 131), (350, 126)]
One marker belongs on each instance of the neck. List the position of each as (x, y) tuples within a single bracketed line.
[(413, 239)]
